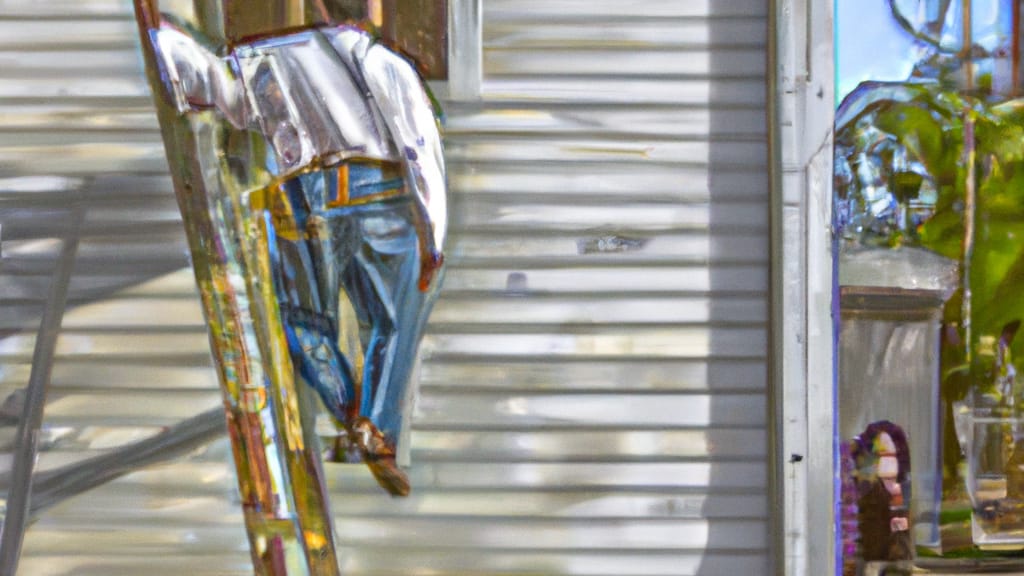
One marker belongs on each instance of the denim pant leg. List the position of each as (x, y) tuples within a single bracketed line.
[(382, 283), (310, 328)]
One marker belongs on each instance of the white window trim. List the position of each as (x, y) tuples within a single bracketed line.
[(465, 51), (804, 372)]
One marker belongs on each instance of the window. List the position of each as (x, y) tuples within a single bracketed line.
[(927, 211)]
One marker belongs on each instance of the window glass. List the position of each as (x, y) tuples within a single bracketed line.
[(929, 216)]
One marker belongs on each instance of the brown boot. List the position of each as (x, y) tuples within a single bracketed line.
[(380, 458), (344, 450)]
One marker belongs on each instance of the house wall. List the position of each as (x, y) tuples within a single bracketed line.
[(594, 381)]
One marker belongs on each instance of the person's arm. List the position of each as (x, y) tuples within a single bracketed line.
[(403, 103), (192, 77)]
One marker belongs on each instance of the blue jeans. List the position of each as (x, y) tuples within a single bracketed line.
[(369, 251)]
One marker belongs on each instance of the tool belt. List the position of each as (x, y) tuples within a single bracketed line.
[(350, 183), (364, 181)]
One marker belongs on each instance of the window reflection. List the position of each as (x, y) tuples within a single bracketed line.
[(929, 203)]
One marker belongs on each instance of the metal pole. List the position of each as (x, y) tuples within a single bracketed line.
[(970, 194), (19, 495), (54, 486)]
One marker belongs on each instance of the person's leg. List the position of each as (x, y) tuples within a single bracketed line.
[(383, 280), (307, 305)]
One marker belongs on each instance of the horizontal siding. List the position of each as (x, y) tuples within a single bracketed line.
[(593, 380)]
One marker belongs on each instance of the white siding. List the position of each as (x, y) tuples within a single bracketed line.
[(594, 379)]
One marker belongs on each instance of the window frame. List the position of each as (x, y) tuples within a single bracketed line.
[(465, 53), (801, 124)]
